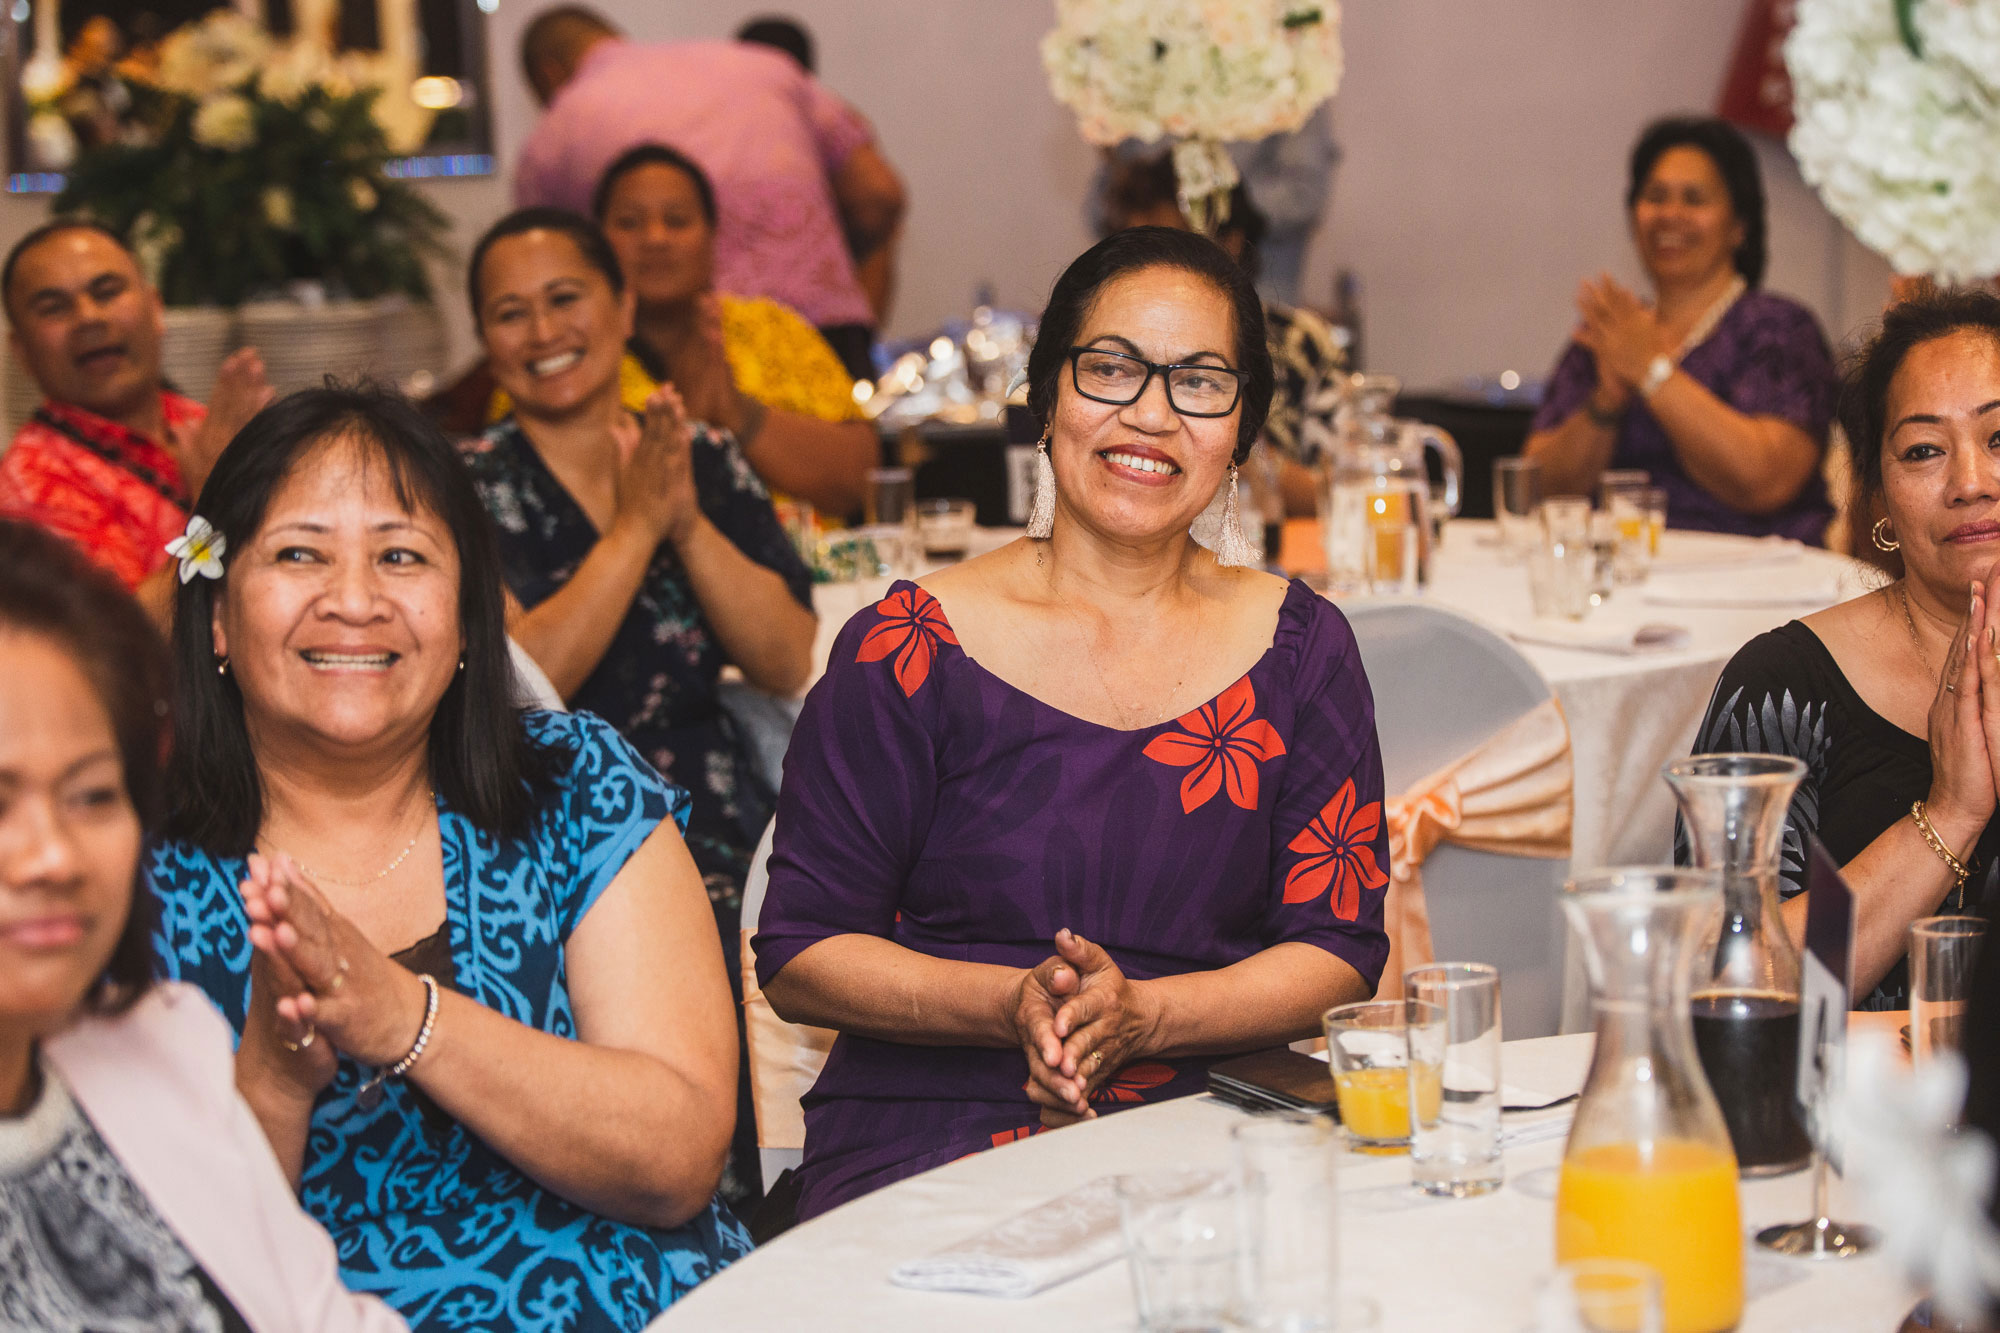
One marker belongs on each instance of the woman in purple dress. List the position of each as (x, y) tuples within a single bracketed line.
[(1720, 390), (1021, 866)]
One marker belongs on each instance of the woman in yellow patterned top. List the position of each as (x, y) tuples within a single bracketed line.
[(747, 365)]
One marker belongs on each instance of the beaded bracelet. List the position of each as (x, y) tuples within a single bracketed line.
[(1923, 822), (371, 1091)]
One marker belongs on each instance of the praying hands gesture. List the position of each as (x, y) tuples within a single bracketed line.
[(1965, 728), (1622, 333)]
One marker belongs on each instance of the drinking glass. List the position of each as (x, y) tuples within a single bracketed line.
[(1620, 481), (1455, 1141), (1600, 1296), (1182, 1239), (946, 527), (1654, 501), (1565, 518), (1290, 1222), (1369, 1049), (1561, 575), (1517, 490), (891, 518), (1942, 952)]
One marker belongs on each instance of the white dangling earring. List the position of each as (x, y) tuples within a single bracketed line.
[(1219, 528), (1042, 517)]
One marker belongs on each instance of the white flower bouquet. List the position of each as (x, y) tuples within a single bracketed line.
[(253, 165), (1201, 72), (1896, 107)]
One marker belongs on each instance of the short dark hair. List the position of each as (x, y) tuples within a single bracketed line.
[(1735, 161), (53, 228), (1145, 183), (1129, 251), (1864, 389), (559, 33), (786, 34), (482, 762), (653, 155), (48, 589), (597, 251)]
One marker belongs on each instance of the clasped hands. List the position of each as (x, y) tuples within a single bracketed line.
[(1079, 1020), (318, 987), (1965, 724), (655, 481), (1622, 333)]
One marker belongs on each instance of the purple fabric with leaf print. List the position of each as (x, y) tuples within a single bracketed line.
[(928, 802), (1766, 358)]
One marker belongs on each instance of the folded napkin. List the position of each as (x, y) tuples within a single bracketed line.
[(1601, 637), (1688, 550), (1032, 1251), (1803, 586)]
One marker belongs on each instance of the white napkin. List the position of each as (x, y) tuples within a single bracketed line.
[(1519, 1134), (1769, 587), (1601, 637), (1702, 551), (1032, 1251)]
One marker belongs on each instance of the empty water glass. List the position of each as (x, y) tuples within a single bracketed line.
[(1517, 492), (1182, 1238), (1565, 518), (1620, 481), (1601, 1296), (1561, 577), (1943, 950), (1291, 1274), (1455, 1140)]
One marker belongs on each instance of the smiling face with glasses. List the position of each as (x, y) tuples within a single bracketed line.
[(1145, 415)]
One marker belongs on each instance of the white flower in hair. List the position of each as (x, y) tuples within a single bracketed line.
[(200, 549)]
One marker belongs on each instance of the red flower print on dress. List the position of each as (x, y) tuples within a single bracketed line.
[(912, 627), (1133, 1082), (1222, 744), (1339, 847), (1007, 1136)]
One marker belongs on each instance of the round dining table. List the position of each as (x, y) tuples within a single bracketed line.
[(1426, 1263)]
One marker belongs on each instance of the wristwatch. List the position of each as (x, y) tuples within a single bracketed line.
[(1658, 371)]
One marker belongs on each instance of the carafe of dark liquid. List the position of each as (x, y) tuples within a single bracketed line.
[(1745, 1001)]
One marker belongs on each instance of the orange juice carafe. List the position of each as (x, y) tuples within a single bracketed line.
[(1375, 500), (1648, 1174)]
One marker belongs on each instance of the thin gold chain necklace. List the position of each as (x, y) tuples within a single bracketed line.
[(1104, 682), (321, 877)]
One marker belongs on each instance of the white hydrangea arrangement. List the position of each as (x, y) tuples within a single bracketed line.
[(1896, 108), (1201, 72)]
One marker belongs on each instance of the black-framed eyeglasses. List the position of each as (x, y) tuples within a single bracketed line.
[(1192, 390)]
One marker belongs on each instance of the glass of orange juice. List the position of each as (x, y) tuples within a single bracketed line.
[(1373, 1077)]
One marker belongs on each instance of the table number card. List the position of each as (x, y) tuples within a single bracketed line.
[(1826, 987)]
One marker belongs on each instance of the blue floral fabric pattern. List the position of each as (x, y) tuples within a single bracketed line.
[(423, 1213)]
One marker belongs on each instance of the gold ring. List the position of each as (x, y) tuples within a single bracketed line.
[(1096, 1058), (296, 1046), (339, 979), (1950, 688)]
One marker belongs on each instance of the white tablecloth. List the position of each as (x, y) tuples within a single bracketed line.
[(1430, 1264)]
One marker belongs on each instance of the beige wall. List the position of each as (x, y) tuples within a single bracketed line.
[(1485, 144)]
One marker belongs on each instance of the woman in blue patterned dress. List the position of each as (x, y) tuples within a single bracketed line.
[(482, 1012)]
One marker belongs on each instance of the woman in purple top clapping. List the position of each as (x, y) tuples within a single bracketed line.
[(1722, 391), (1065, 822)]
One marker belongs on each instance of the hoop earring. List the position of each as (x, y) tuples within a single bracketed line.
[(1042, 517), (1882, 543), (1219, 528)]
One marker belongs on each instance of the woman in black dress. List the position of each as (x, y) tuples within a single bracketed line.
[(1892, 699)]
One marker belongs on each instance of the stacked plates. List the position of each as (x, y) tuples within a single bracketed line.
[(302, 345)]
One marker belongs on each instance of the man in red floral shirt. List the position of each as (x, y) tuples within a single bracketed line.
[(111, 459)]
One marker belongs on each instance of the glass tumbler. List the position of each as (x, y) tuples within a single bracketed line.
[(1368, 1046), (1600, 1296), (1455, 1143), (1943, 950), (1182, 1236), (1290, 1222), (1517, 491)]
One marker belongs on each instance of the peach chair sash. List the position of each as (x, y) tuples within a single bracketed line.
[(785, 1060), (1512, 794)]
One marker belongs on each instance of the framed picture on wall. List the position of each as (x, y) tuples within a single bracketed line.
[(72, 67)]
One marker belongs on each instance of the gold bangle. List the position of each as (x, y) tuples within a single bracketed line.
[(1923, 822)]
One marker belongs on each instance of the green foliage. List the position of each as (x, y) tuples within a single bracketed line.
[(304, 199)]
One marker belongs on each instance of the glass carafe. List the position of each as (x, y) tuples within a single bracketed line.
[(1746, 981), (1375, 493), (1648, 1174)]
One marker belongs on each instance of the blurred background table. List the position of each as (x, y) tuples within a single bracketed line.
[(1431, 1264)]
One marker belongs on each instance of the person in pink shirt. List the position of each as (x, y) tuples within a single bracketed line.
[(805, 194)]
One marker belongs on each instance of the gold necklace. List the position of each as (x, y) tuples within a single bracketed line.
[(1104, 682), (320, 877), (1916, 640)]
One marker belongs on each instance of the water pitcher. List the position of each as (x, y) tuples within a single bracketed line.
[(1648, 1174), (1375, 494), (1746, 981)]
